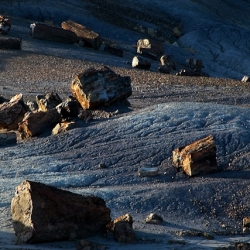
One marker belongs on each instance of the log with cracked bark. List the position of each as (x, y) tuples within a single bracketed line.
[(197, 157), (52, 33), (42, 213), (93, 87), (84, 34), (36, 123), (140, 63)]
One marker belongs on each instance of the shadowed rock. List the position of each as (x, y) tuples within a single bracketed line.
[(42, 213)]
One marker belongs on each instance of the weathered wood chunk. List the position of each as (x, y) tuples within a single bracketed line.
[(5, 25), (48, 101), (52, 33), (10, 43), (150, 48), (68, 108), (197, 157), (66, 126), (93, 87), (245, 79), (88, 36), (140, 63), (123, 229), (42, 213), (12, 112), (166, 60), (36, 123)]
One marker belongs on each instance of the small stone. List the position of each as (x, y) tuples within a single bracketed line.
[(102, 165), (154, 219)]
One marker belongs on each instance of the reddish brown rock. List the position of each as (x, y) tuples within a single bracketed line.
[(36, 123), (123, 229), (48, 101), (85, 35), (197, 157), (12, 112), (93, 88), (5, 25), (52, 33), (42, 213)]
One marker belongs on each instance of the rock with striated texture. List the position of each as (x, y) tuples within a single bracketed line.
[(85, 35), (42, 213), (93, 88), (48, 101), (12, 112), (36, 123), (123, 229)]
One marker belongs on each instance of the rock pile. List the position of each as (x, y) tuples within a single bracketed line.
[(91, 89)]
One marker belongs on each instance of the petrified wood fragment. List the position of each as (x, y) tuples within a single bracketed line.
[(93, 87), (43, 213), (12, 112), (197, 157), (140, 63), (68, 108), (123, 229), (150, 48), (10, 43), (52, 33), (36, 123), (5, 25), (88, 36), (48, 101)]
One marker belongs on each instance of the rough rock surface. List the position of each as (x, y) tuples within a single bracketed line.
[(42, 213), (93, 88)]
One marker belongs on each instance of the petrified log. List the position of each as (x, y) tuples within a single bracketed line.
[(245, 79), (197, 157), (140, 63), (88, 36), (36, 123), (52, 33), (43, 213), (153, 218), (66, 126), (10, 43), (123, 229), (5, 25), (12, 112), (113, 50), (150, 48), (48, 101), (100, 87), (168, 61), (7, 137), (68, 108)]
